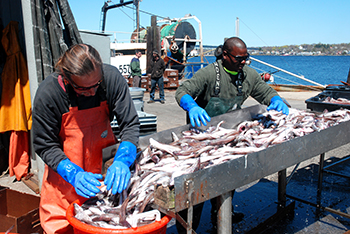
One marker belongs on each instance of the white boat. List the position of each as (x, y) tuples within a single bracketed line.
[(122, 53)]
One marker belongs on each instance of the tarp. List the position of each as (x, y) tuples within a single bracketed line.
[(51, 39), (15, 109)]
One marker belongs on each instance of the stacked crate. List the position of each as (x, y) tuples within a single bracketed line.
[(171, 78), (128, 80), (146, 82), (19, 212)]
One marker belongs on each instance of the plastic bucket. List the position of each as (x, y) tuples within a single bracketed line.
[(80, 228)]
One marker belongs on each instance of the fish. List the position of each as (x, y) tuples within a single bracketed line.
[(81, 215), (167, 148), (191, 151), (175, 137)]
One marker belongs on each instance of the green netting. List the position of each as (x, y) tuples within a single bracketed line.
[(143, 35), (168, 30)]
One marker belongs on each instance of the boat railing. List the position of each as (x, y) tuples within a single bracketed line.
[(191, 68)]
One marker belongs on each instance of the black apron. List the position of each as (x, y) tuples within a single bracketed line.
[(217, 106)]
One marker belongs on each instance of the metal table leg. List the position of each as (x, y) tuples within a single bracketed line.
[(282, 188), (319, 184), (273, 213), (224, 213), (189, 190)]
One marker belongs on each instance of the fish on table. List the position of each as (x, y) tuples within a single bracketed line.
[(160, 163)]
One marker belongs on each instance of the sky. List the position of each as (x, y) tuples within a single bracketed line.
[(261, 22)]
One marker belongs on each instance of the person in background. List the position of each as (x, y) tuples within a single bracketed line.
[(174, 52), (72, 111), (222, 87), (176, 58), (157, 68), (136, 69)]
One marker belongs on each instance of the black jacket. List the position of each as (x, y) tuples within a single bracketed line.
[(158, 68)]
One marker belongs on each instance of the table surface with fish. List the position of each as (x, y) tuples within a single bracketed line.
[(194, 150)]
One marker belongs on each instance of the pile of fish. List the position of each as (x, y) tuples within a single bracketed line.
[(160, 163), (198, 150), (114, 211), (342, 101)]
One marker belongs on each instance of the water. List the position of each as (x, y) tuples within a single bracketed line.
[(321, 69)]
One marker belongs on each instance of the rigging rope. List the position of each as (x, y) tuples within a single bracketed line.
[(292, 68), (280, 77), (149, 13)]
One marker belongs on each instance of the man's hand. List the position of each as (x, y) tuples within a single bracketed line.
[(85, 183), (118, 174), (117, 177), (277, 104), (196, 113)]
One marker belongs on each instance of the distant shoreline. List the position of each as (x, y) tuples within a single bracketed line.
[(281, 55), (296, 50)]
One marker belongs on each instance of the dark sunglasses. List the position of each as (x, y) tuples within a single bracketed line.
[(239, 58), (80, 88)]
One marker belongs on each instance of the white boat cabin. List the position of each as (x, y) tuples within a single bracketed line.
[(122, 54)]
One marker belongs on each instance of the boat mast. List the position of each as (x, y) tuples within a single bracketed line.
[(237, 27), (137, 4), (106, 7)]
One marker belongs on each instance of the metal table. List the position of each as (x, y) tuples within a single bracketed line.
[(220, 180)]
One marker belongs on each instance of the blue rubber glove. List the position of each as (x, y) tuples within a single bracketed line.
[(85, 183), (196, 113), (277, 104), (118, 174)]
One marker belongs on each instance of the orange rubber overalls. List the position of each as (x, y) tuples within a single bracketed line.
[(84, 133)]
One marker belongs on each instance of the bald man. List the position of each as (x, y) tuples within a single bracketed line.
[(222, 87)]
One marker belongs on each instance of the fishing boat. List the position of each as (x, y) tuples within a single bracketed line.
[(181, 32), (184, 32)]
